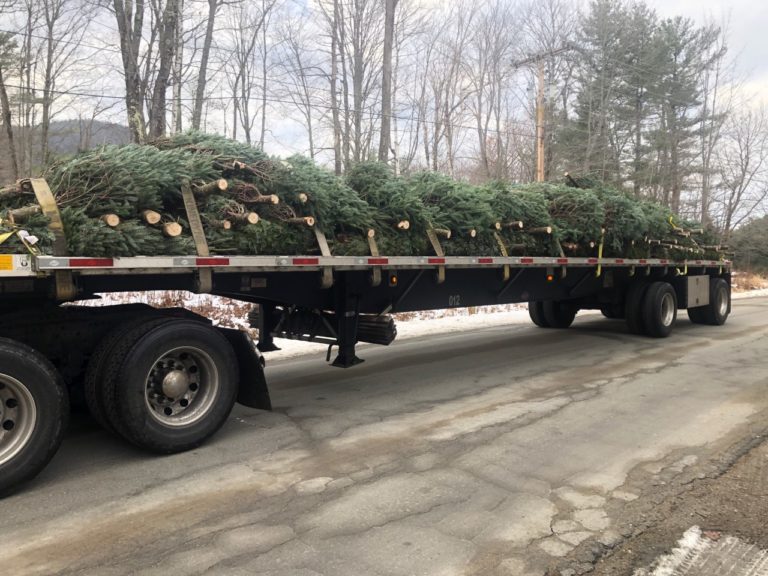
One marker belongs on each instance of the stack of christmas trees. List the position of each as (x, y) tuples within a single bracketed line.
[(128, 201)]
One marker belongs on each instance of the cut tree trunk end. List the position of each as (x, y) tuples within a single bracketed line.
[(540, 230), (151, 217), (306, 221), (12, 190), (443, 232), (268, 199), (214, 187), (111, 220), (246, 217), (473, 233), (23, 214), (172, 229), (371, 233), (514, 225), (403, 225), (303, 198)]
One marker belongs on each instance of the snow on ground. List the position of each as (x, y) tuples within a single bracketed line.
[(232, 313), (709, 554)]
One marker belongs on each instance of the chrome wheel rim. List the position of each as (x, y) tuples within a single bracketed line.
[(722, 302), (18, 416), (667, 309), (181, 386)]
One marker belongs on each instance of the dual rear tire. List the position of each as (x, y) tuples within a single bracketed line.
[(552, 313), (650, 308), (163, 384), (719, 307)]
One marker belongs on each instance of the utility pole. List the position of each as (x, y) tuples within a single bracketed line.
[(539, 60)]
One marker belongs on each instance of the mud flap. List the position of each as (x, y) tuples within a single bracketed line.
[(252, 389)]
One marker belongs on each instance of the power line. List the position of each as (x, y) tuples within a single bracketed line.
[(368, 115)]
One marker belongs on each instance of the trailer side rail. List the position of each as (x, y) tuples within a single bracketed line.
[(12, 265)]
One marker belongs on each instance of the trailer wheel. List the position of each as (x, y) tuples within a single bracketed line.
[(659, 309), (633, 311), (559, 313), (34, 410), (101, 357), (536, 312), (716, 312), (172, 385), (612, 311)]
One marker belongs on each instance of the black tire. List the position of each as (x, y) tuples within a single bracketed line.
[(536, 312), (559, 314), (716, 312), (134, 384), (659, 309), (33, 415), (633, 312), (101, 357), (612, 311)]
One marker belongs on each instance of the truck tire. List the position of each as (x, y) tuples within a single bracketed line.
[(633, 312), (172, 384), (34, 411), (612, 311), (536, 312), (101, 357), (659, 309), (716, 312), (559, 313)]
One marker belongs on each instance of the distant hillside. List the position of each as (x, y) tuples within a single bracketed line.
[(70, 136), (66, 137)]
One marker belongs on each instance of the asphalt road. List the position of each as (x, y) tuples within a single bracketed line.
[(493, 452)]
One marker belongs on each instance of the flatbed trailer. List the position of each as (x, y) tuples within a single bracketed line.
[(167, 379)]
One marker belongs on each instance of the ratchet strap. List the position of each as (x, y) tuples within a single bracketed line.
[(204, 275), (600, 253), (504, 252), (376, 272), (64, 283), (325, 251), (439, 252)]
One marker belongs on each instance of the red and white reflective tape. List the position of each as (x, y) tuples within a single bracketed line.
[(159, 263)]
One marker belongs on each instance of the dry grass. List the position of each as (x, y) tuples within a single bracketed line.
[(746, 281)]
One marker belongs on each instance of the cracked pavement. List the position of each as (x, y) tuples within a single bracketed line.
[(498, 452)]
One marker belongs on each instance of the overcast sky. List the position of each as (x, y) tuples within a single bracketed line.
[(748, 34)]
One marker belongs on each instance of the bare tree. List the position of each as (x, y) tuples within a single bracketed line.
[(240, 52), (302, 69), (130, 25), (167, 29), (65, 25), (386, 80), (7, 56), (743, 167)]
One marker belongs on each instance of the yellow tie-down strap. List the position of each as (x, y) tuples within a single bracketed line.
[(51, 211), (65, 285), (23, 239)]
